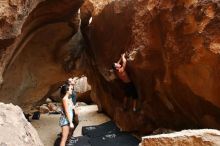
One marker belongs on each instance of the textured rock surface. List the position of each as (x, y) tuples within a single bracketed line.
[(24, 17), (33, 57), (204, 137), (13, 14), (173, 50), (15, 129), (82, 85)]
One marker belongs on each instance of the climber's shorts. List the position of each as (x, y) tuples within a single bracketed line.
[(130, 90), (64, 120)]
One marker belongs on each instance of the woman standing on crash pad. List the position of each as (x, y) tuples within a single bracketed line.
[(66, 119)]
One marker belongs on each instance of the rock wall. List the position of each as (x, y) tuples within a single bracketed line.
[(34, 56), (15, 129), (173, 51), (12, 17)]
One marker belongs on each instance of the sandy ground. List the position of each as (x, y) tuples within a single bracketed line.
[(88, 116), (48, 127)]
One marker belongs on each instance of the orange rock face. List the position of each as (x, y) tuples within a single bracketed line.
[(34, 37), (173, 61)]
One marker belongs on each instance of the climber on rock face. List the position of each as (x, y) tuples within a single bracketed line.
[(129, 88)]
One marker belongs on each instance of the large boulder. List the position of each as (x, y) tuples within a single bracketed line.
[(33, 55), (173, 57), (15, 129)]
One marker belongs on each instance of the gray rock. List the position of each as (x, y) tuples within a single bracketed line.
[(15, 130)]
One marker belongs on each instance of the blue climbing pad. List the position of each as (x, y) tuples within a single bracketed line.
[(106, 134), (120, 139), (100, 130), (79, 141)]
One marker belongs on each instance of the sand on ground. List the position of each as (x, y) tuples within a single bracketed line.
[(47, 128), (48, 125)]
